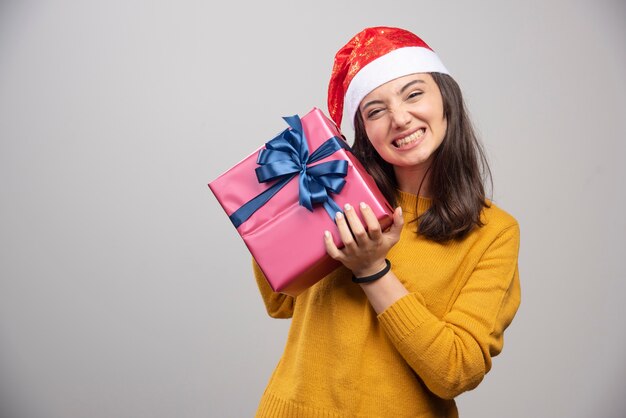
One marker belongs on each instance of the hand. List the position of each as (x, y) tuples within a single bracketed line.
[(364, 251)]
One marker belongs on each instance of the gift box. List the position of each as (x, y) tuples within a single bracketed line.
[(282, 198)]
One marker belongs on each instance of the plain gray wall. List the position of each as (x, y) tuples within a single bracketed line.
[(126, 292)]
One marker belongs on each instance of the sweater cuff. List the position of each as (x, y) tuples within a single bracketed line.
[(404, 316)]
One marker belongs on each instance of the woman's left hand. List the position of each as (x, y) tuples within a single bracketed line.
[(365, 249)]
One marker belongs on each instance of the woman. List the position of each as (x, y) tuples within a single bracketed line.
[(430, 298)]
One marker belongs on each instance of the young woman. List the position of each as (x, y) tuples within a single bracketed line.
[(417, 312)]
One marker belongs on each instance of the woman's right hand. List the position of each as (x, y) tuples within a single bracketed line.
[(365, 249)]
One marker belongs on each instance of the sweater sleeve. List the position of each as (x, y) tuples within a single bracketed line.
[(452, 354), (278, 305)]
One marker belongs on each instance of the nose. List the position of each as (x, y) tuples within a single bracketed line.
[(400, 117)]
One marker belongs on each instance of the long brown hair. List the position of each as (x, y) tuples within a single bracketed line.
[(457, 174)]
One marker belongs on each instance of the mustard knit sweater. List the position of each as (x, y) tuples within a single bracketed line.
[(343, 360)]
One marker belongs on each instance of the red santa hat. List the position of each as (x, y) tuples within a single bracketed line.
[(371, 58)]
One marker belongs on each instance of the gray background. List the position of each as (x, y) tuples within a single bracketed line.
[(124, 290)]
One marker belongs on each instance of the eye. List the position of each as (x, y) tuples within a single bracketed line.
[(374, 112), (414, 94)]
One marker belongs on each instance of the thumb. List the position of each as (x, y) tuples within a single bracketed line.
[(398, 223)]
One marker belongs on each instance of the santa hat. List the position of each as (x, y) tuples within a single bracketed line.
[(371, 58)]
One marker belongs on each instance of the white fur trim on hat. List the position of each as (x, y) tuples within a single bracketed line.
[(395, 64)]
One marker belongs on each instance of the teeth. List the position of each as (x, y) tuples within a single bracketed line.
[(411, 138)]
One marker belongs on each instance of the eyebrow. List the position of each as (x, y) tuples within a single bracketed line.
[(406, 86), (410, 83)]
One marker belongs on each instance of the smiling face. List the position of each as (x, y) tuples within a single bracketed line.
[(404, 121)]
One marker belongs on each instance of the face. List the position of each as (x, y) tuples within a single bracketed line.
[(404, 120)]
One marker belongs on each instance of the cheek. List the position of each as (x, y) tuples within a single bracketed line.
[(377, 143), (444, 128), (374, 133)]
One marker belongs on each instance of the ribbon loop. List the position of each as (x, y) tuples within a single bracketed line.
[(287, 156)]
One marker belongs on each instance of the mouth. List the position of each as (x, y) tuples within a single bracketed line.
[(409, 139)]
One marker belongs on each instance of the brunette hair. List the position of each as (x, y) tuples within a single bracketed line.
[(457, 173)]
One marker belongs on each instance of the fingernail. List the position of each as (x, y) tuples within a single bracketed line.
[(327, 234), (347, 206), (339, 215), (363, 205), (400, 210)]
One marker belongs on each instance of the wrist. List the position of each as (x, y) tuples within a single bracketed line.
[(370, 269), (371, 274)]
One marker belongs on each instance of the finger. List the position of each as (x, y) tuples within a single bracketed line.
[(398, 223), (344, 230), (357, 228), (373, 226), (331, 248)]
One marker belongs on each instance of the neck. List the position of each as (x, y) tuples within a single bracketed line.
[(411, 178)]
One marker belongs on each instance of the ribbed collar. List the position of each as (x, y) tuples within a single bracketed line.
[(409, 202)]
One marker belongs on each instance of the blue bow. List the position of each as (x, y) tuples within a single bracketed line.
[(287, 156)]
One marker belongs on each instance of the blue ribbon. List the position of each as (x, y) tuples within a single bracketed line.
[(287, 156)]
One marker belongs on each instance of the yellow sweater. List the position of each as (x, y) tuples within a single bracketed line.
[(343, 360)]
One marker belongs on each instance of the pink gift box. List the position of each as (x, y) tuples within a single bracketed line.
[(284, 237)]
